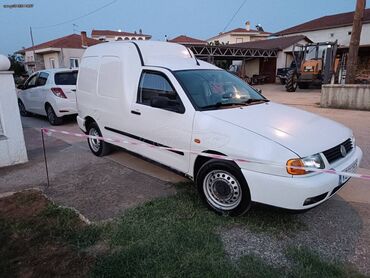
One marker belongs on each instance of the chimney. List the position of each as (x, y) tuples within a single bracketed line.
[(248, 25), (83, 39)]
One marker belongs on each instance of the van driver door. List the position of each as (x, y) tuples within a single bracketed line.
[(162, 116)]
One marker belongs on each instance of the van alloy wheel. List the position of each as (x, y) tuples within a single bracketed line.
[(222, 190)]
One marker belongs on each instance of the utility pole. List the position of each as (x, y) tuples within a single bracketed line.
[(33, 48), (355, 42)]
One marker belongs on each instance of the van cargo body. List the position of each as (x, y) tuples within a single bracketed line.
[(159, 94)]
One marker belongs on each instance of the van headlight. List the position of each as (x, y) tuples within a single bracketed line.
[(312, 161)]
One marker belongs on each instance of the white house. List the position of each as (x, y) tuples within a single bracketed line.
[(239, 35), (64, 52), (12, 146), (110, 35)]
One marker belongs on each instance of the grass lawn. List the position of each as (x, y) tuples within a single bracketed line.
[(168, 237)]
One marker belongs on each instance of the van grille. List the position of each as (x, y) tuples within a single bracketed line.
[(335, 154)]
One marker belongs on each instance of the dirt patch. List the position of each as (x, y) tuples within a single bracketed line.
[(22, 205), (39, 239)]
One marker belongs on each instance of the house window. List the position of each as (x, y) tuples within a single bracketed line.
[(349, 32), (73, 63), (52, 63), (239, 40), (331, 35)]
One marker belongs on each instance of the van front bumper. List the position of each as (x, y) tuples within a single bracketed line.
[(299, 192)]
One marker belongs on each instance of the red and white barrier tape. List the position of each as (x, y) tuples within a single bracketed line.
[(49, 131)]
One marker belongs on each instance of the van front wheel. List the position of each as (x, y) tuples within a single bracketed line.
[(97, 147), (223, 187)]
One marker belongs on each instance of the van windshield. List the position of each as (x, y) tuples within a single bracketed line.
[(211, 89)]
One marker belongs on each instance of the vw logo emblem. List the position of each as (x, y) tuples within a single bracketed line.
[(343, 151)]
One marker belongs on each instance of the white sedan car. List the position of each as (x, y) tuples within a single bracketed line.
[(49, 93)]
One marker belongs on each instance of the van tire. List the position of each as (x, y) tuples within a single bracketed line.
[(52, 117), (97, 147), (223, 187)]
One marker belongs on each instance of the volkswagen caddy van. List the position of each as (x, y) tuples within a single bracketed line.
[(158, 100)]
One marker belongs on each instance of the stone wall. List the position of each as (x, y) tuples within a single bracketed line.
[(352, 96)]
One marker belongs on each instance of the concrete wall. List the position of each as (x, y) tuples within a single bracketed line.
[(55, 56), (12, 146), (346, 96), (252, 67), (68, 53)]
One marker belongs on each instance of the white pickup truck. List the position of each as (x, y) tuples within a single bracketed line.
[(159, 94)]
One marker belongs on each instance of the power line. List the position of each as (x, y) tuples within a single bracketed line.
[(76, 18), (236, 12)]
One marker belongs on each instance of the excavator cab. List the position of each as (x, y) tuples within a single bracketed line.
[(316, 65)]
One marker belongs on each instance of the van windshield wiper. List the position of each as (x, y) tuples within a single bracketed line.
[(219, 104), (254, 100)]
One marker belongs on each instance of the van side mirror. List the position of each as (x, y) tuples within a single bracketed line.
[(21, 87), (167, 104)]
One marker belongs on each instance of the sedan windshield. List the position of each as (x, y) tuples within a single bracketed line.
[(211, 89)]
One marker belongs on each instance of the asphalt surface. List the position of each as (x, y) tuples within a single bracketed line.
[(99, 188)]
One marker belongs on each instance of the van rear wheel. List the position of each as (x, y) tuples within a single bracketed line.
[(223, 187), (97, 147)]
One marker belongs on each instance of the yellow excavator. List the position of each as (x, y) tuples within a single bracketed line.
[(316, 64)]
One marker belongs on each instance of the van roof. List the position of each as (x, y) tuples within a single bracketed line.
[(155, 53)]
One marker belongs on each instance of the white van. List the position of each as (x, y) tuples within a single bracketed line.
[(159, 94)]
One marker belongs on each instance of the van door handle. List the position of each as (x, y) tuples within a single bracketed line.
[(73, 90), (135, 112)]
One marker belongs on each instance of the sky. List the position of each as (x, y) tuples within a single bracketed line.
[(196, 18)]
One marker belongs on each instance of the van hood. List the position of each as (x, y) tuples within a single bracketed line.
[(302, 132)]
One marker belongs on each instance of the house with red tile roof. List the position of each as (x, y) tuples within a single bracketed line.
[(338, 27), (240, 35), (331, 28), (185, 40), (64, 52), (110, 35)]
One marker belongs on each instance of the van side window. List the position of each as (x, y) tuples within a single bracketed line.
[(155, 90)]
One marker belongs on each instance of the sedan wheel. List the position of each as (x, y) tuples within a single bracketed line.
[(52, 117), (22, 109)]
